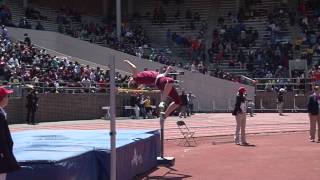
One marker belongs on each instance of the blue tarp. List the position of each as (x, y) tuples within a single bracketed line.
[(82, 154)]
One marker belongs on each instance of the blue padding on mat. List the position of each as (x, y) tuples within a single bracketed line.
[(82, 154)]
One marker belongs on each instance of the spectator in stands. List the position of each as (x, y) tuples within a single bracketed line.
[(269, 86), (86, 83), (24, 23), (5, 16), (32, 105), (280, 101), (168, 35), (196, 17), (8, 161), (39, 26), (4, 32), (31, 13), (240, 113), (232, 62), (27, 39), (313, 111), (241, 59)]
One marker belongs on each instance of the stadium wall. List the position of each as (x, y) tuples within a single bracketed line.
[(212, 93), (63, 107)]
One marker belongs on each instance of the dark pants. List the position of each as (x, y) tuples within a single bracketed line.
[(142, 111), (190, 109), (31, 115)]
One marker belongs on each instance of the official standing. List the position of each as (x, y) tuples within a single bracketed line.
[(32, 106), (184, 105), (280, 101), (8, 162), (240, 113), (314, 116)]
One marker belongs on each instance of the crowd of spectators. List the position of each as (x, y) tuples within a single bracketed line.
[(133, 40), (309, 13), (132, 37), (67, 15), (5, 16), (32, 13), (22, 63), (237, 43), (227, 41)]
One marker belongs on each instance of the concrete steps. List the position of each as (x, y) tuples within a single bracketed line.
[(156, 32)]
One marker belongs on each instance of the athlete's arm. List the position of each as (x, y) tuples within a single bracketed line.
[(169, 69), (141, 86), (133, 68)]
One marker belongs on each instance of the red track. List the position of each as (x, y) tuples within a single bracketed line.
[(203, 124), (276, 156)]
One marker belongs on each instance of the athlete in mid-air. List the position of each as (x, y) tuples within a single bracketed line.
[(164, 84)]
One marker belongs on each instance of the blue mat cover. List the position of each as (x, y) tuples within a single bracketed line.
[(83, 154)]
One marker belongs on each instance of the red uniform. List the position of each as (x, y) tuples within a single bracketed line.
[(153, 78), (146, 77)]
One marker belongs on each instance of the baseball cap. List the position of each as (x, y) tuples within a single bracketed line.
[(4, 92), (242, 89)]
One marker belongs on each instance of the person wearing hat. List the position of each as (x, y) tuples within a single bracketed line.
[(240, 113), (8, 162), (280, 101), (314, 114)]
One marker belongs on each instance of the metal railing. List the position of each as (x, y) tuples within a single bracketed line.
[(260, 106), (43, 87), (290, 84), (294, 105)]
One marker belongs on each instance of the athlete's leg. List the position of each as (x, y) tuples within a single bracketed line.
[(173, 106), (166, 91), (173, 94)]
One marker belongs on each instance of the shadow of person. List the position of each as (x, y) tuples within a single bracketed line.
[(170, 174), (248, 145)]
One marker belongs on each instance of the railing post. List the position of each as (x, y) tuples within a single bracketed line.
[(213, 106), (295, 107), (229, 105), (261, 105)]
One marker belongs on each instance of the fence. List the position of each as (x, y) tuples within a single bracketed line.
[(297, 85), (267, 102)]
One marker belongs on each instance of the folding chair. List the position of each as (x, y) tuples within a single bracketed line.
[(188, 136)]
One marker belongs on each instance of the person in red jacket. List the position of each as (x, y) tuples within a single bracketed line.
[(164, 84), (8, 162)]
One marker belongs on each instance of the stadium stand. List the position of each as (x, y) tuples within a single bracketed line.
[(250, 41)]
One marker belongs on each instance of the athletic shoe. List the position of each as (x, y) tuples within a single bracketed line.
[(162, 105), (244, 144)]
